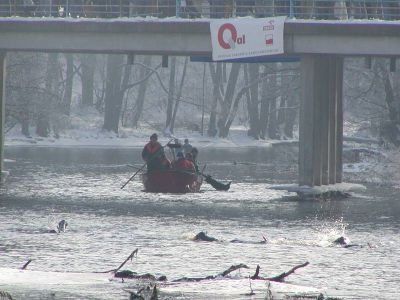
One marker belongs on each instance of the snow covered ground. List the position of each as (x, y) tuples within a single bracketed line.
[(92, 136)]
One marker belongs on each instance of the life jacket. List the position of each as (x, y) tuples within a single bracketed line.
[(150, 149), (184, 164)]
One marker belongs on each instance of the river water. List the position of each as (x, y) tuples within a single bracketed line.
[(106, 224)]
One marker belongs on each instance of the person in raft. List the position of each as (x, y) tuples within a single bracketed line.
[(152, 152)]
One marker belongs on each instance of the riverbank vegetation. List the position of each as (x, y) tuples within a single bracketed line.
[(52, 95)]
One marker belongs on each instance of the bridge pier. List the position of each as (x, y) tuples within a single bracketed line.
[(321, 120), (2, 111)]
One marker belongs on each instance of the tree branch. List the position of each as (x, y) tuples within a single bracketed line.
[(279, 278), (125, 261), (223, 274)]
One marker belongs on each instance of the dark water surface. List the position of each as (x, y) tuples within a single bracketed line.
[(106, 224)]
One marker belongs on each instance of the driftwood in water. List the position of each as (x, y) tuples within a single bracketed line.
[(202, 236), (143, 292), (121, 265), (26, 264), (279, 278), (133, 275), (223, 274)]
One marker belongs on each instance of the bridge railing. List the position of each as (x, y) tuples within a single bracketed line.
[(300, 9)]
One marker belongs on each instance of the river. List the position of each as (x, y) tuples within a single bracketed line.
[(105, 224)]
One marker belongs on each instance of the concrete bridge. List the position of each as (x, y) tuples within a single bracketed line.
[(322, 45)]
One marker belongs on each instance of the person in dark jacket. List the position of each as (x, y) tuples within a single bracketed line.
[(152, 152), (194, 153)]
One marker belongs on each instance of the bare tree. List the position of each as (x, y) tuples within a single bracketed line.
[(88, 62), (113, 95), (171, 94), (227, 102), (216, 75), (179, 94), (254, 116), (50, 97), (68, 84), (142, 91)]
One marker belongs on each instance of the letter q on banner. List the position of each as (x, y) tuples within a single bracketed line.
[(227, 42), (238, 38)]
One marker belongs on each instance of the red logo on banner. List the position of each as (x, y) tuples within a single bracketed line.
[(269, 39), (233, 39), (269, 26)]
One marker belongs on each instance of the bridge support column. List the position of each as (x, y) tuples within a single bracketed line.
[(2, 110), (321, 120)]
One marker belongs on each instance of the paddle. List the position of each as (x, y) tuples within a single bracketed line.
[(219, 186), (142, 167)]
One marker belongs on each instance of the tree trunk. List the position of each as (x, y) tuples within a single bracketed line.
[(290, 115), (171, 94), (234, 109), (390, 130), (68, 84), (43, 115), (272, 119), (228, 99), (178, 97), (264, 107), (124, 88), (24, 68), (216, 75), (142, 92), (24, 119), (113, 94), (390, 97), (88, 62), (281, 114), (254, 115)]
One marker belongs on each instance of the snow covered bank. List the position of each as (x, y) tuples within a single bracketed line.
[(93, 137)]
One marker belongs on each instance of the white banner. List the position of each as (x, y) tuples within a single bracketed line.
[(238, 38)]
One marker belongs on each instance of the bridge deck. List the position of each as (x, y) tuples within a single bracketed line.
[(190, 37)]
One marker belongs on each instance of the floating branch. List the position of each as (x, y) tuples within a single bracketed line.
[(233, 268), (130, 257), (26, 264), (132, 275), (279, 278), (143, 292), (223, 274)]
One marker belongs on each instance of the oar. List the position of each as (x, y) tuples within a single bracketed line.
[(142, 167), (219, 186), (133, 167)]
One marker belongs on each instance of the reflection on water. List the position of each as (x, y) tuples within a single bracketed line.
[(107, 223)]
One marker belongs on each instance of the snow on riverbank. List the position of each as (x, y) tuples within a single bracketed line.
[(92, 137)]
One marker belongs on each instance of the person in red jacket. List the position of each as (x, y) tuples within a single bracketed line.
[(183, 164), (152, 152)]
